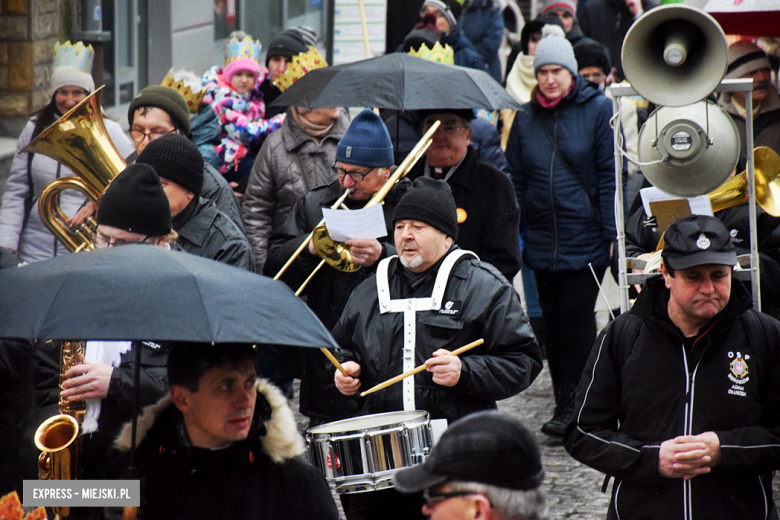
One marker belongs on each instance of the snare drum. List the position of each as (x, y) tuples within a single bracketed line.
[(362, 453)]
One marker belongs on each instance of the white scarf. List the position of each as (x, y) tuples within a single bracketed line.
[(107, 353), (521, 79)]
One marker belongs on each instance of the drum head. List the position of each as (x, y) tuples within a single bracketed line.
[(368, 422)]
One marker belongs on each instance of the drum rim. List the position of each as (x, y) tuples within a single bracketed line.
[(423, 417)]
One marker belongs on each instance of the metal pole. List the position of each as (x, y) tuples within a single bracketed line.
[(755, 274), (619, 217)]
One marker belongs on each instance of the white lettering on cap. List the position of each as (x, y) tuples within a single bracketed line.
[(703, 242)]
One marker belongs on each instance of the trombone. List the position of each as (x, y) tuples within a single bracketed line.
[(339, 256)]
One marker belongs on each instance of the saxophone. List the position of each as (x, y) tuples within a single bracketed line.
[(59, 436)]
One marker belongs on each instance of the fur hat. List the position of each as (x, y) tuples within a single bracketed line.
[(176, 158), (136, 202), (366, 142), (429, 201), (554, 49), (165, 98), (590, 53)]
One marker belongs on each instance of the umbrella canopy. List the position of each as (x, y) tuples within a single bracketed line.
[(397, 82), (743, 17), (142, 292)]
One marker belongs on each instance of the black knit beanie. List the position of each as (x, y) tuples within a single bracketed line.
[(536, 25), (590, 53), (136, 202), (164, 98), (176, 158), (429, 201), (287, 43)]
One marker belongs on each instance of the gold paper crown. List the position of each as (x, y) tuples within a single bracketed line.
[(242, 49), (75, 55), (438, 54), (188, 85), (298, 66)]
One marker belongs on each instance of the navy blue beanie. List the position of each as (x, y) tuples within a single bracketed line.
[(366, 142)]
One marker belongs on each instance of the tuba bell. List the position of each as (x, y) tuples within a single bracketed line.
[(734, 191), (58, 437), (80, 141)]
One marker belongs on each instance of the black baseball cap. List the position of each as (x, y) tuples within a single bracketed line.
[(487, 447), (697, 240)]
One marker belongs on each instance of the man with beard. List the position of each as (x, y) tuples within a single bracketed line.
[(422, 304)]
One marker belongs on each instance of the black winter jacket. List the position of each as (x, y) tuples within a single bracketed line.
[(327, 293), (645, 383), (210, 233), (262, 477), (490, 217), (486, 307)]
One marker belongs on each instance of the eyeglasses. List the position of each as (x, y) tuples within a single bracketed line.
[(597, 77), (434, 498), (449, 128), (355, 175), (101, 241), (139, 135)]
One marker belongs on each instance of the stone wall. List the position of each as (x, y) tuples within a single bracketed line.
[(28, 31)]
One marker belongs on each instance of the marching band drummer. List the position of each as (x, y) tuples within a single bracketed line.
[(422, 304), (364, 156)]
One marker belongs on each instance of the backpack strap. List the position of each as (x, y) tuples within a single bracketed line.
[(28, 200)]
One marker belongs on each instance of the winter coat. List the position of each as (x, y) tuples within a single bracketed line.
[(242, 117), (261, 477), (464, 52), (116, 408), (485, 306), (16, 398), (212, 234), (488, 213), (607, 22), (32, 240), (483, 25), (566, 221), (289, 165), (766, 124), (645, 384), (327, 293), (484, 139)]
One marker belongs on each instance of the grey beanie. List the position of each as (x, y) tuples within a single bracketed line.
[(451, 9), (554, 49)]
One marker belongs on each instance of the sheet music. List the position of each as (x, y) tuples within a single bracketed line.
[(359, 223)]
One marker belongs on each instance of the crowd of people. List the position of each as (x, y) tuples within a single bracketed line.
[(526, 198)]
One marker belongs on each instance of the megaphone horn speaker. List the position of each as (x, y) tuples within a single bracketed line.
[(675, 55)]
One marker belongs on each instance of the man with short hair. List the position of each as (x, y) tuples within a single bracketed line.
[(486, 466), (747, 60), (488, 214), (679, 400), (422, 304), (159, 110), (363, 158), (224, 444), (203, 229)]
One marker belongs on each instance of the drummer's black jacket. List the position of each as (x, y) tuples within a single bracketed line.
[(329, 290), (483, 305), (645, 383)]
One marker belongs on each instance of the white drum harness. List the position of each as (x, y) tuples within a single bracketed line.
[(410, 306)]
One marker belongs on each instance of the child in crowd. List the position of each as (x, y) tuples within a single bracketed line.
[(234, 94)]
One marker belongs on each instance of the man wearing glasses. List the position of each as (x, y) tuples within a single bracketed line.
[(488, 214), (486, 466), (364, 156), (133, 210)]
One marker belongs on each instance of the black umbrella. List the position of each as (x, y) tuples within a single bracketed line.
[(142, 292), (397, 82), (146, 293)]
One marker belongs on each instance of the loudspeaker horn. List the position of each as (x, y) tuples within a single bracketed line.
[(697, 146), (675, 55)]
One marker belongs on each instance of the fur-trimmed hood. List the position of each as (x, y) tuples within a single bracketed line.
[(279, 433)]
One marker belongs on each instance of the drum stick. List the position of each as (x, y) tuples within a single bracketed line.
[(335, 361), (419, 369)]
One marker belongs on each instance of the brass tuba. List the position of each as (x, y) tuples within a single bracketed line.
[(80, 141), (58, 437), (734, 191)]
